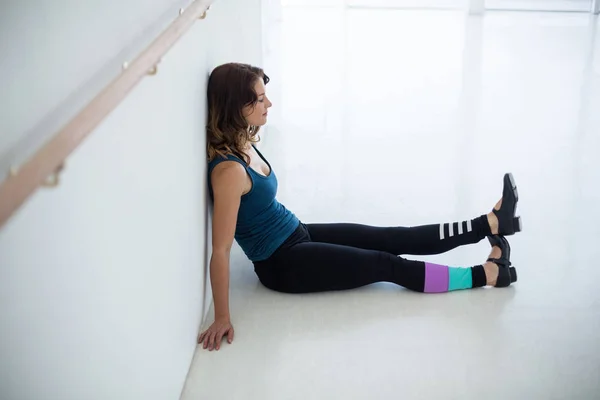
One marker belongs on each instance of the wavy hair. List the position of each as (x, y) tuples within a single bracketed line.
[(230, 89)]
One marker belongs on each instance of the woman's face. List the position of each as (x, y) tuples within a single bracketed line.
[(256, 114)]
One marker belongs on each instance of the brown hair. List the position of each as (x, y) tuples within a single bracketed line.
[(230, 89)]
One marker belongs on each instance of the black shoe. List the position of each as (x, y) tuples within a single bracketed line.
[(496, 241), (508, 224), (506, 274)]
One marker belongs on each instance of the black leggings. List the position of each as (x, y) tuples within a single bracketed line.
[(324, 257)]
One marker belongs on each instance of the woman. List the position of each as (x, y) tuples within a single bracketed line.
[(293, 257)]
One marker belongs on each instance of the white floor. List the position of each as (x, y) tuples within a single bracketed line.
[(411, 117)]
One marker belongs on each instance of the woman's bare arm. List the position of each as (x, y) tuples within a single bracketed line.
[(229, 183)]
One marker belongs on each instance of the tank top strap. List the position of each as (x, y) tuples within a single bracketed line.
[(219, 159)]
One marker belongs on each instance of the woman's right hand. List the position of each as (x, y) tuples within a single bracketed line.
[(213, 335)]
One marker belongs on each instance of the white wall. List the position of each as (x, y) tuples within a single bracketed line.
[(66, 44), (103, 280)]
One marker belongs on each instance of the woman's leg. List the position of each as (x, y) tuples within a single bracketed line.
[(428, 239), (418, 240), (316, 267)]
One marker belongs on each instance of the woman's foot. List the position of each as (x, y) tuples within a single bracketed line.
[(491, 269), (497, 268), (500, 242), (493, 220), (502, 219)]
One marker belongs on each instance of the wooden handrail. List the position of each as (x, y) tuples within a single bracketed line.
[(47, 162)]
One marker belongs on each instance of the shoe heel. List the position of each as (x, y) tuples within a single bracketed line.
[(517, 224), (513, 274)]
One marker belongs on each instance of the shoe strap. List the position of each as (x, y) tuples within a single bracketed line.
[(500, 262)]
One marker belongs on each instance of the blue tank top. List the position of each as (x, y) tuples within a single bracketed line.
[(263, 224)]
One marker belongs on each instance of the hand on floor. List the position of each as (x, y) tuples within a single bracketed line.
[(214, 334)]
